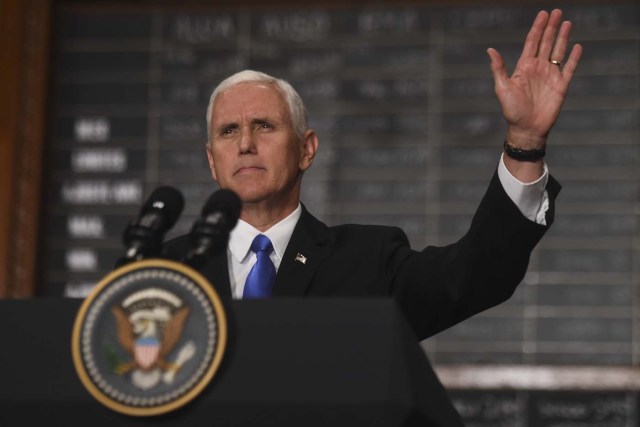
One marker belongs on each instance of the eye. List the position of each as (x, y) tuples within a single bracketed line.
[(227, 130), (264, 125)]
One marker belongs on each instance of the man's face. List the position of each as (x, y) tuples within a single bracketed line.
[(254, 150)]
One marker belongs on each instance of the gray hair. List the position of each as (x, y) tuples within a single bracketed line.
[(297, 110)]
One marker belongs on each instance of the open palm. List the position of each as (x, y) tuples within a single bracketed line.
[(532, 97)]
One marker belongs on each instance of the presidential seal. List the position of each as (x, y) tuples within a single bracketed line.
[(149, 338)]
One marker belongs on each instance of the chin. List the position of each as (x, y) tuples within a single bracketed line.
[(251, 196)]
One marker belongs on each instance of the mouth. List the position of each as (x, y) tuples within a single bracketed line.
[(249, 170)]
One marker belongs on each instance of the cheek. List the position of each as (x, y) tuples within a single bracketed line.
[(220, 164), (286, 156)]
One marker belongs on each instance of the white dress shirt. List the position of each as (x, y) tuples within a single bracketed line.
[(530, 198), (239, 254)]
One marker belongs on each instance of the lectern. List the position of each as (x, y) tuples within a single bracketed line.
[(288, 362)]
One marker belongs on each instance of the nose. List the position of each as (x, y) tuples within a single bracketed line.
[(247, 143)]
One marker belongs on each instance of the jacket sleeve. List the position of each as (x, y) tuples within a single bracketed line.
[(442, 286)]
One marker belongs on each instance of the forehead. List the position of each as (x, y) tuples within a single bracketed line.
[(249, 100)]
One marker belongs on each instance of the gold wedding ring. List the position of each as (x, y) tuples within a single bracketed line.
[(554, 62)]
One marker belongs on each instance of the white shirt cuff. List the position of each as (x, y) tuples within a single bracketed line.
[(531, 198)]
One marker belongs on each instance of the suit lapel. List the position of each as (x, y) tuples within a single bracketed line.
[(217, 270), (309, 246)]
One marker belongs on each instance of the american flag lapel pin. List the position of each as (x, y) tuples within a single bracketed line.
[(301, 258)]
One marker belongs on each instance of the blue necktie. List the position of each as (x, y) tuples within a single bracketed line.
[(262, 275)]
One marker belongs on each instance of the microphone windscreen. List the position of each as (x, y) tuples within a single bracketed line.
[(168, 202), (226, 202)]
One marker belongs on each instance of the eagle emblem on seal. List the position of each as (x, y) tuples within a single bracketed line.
[(150, 323)]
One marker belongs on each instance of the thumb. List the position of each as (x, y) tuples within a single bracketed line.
[(498, 69)]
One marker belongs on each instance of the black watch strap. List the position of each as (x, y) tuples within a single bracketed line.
[(523, 155)]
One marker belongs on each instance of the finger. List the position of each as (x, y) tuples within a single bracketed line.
[(572, 63), (549, 35), (560, 49), (532, 41), (498, 69)]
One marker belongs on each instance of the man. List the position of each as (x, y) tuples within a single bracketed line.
[(260, 145)]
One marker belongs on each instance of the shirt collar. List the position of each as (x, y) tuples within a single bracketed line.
[(243, 234)]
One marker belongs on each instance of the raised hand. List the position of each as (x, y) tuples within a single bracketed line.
[(532, 97)]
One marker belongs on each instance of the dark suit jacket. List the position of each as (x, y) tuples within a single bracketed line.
[(436, 288)]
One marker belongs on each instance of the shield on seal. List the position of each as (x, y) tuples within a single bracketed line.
[(146, 352)]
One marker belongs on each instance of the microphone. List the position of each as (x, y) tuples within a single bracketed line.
[(210, 233), (143, 238)]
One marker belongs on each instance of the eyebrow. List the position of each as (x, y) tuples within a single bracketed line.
[(260, 121)]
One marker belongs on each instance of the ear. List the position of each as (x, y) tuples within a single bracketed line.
[(309, 148), (212, 164)]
